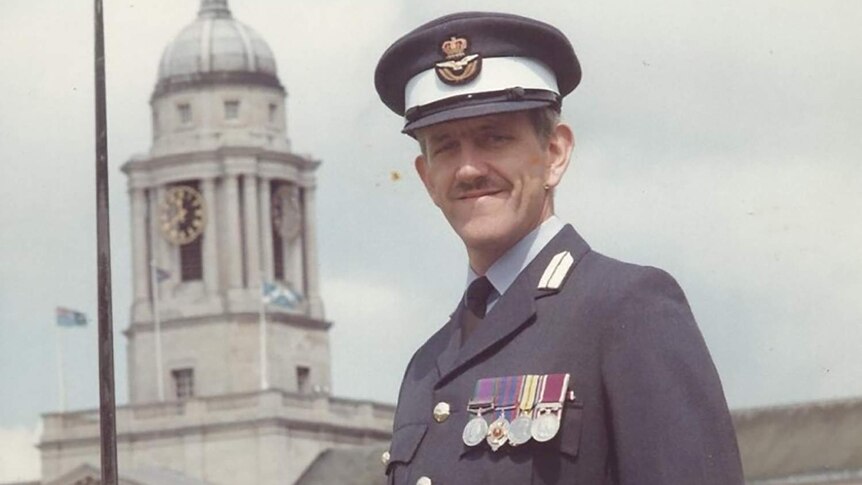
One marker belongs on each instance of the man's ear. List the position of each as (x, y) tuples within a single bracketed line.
[(421, 164), (560, 145)]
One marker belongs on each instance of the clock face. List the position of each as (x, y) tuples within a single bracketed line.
[(286, 214), (182, 214)]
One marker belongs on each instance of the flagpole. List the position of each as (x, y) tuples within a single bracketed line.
[(107, 400), (61, 378), (157, 329), (264, 378)]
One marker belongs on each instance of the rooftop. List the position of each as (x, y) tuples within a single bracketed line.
[(811, 442)]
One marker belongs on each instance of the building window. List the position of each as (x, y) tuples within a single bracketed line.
[(231, 109), (184, 110), (184, 383), (277, 241), (273, 110), (191, 260), (278, 255), (302, 378)]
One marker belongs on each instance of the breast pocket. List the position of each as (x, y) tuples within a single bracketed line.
[(570, 431), (555, 460), (405, 442)]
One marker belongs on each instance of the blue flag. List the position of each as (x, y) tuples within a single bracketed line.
[(275, 294), (162, 274), (70, 318)]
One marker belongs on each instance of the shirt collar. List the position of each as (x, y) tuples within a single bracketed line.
[(503, 272)]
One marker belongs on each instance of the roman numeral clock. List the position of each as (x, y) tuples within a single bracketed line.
[(182, 214)]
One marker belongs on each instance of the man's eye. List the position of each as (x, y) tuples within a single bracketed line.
[(496, 138), (444, 148)]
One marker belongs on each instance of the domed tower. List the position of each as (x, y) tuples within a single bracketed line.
[(219, 206), (217, 86)]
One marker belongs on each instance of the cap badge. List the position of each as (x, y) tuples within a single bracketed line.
[(459, 67)]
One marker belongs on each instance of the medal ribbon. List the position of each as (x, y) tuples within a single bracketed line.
[(483, 394), (529, 391), (507, 399), (554, 390)]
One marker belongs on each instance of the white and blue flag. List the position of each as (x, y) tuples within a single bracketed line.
[(70, 318), (276, 294)]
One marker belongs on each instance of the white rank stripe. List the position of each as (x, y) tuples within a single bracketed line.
[(549, 270), (498, 73), (562, 270), (556, 271)]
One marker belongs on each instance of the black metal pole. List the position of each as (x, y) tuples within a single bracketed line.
[(107, 406)]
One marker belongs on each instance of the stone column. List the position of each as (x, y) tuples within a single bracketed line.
[(160, 250), (309, 245), (294, 261), (210, 252), (252, 231), (233, 251), (266, 230), (140, 265)]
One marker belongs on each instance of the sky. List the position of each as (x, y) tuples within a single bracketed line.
[(716, 140)]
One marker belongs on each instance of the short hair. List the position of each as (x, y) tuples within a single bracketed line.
[(544, 121)]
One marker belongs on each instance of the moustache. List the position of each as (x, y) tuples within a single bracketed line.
[(478, 184)]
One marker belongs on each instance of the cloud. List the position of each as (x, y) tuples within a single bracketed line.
[(761, 248), (379, 321), (19, 458)]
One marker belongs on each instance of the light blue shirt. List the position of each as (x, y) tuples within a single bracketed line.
[(503, 272)]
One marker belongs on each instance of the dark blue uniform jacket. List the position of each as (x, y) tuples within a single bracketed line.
[(649, 406)]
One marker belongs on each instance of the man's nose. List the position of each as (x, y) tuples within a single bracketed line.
[(472, 163)]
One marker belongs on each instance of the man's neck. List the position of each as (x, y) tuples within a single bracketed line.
[(481, 259)]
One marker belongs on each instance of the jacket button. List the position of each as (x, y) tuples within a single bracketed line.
[(423, 481), (385, 457), (441, 413)]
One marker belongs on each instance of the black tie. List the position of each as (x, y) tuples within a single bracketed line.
[(477, 296), (476, 301)]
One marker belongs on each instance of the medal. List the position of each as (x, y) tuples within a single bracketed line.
[(550, 407), (545, 427), (475, 431), (483, 399), (506, 396), (519, 429), (498, 433)]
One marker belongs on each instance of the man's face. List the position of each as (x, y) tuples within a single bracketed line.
[(488, 176)]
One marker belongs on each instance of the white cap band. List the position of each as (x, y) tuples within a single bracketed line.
[(498, 73)]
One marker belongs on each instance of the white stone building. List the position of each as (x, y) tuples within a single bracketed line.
[(220, 205)]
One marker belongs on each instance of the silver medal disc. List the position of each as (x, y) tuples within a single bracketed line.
[(519, 430), (545, 427), (475, 431)]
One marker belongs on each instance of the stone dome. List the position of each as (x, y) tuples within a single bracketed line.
[(216, 49)]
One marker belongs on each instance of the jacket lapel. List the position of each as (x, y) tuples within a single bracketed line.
[(516, 308), (448, 357)]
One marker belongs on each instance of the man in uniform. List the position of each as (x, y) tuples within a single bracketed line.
[(559, 365)]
